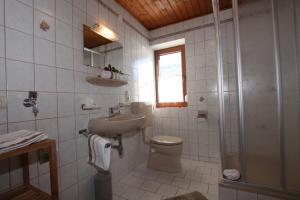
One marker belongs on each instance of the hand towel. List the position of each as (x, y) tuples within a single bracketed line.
[(99, 152), (18, 139)]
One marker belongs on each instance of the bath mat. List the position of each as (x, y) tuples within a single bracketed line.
[(189, 196)]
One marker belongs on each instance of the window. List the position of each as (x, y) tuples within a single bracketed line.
[(170, 73)]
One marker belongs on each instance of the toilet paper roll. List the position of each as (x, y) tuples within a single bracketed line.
[(231, 174)]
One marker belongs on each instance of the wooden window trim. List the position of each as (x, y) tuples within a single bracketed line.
[(158, 53)]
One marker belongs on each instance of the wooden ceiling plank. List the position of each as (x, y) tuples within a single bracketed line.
[(196, 7), (153, 13), (185, 5), (201, 6), (145, 15), (184, 8), (177, 9), (157, 13), (169, 16), (170, 10), (208, 6), (147, 19), (162, 9), (190, 9)]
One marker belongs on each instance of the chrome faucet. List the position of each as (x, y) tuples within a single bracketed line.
[(113, 111), (31, 101)]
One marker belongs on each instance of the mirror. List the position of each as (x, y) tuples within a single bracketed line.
[(102, 49)]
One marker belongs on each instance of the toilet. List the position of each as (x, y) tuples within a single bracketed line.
[(165, 153)]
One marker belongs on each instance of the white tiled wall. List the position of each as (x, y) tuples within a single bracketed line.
[(201, 140), (51, 63)]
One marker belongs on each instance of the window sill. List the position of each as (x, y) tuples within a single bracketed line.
[(175, 104)]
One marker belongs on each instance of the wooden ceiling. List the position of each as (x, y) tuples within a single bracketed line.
[(157, 13)]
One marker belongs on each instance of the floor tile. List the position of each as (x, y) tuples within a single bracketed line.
[(132, 193), (198, 186), (181, 183), (133, 181), (147, 184), (210, 179), (115, 197), (151, 186), (194, 175), (165, 178), (167, 190), (150, 196)]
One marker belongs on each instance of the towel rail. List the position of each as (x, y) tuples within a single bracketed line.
[(118, 147)]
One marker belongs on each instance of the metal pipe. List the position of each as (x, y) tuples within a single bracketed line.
[(296, 4), (216, 13), (279, 91), (92, 59), (242, 153)]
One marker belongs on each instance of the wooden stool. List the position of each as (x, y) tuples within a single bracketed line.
[(27, 191)]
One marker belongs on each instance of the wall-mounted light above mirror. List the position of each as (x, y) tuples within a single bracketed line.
[(99, 41), (105, 32), (93, 38), (102, 50)]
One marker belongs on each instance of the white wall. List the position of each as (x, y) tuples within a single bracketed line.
[(201, 138), (51, 63)]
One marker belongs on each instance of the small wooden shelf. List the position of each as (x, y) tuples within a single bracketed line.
[(27, 191), (105, 81)]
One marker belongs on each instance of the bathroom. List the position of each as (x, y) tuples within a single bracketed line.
[(227, 125)]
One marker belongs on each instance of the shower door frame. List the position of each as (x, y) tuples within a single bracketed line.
[(239, 83)]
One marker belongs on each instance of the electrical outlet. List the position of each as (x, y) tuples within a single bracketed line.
[(3, 102)]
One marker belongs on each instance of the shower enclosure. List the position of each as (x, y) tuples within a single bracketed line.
[(259, 72)]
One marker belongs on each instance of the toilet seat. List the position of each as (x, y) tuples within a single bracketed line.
[(165, 153), (166, 140)]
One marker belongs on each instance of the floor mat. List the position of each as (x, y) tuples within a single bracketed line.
[(189, 196)]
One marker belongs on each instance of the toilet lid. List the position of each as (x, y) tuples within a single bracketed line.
[(166, 140)]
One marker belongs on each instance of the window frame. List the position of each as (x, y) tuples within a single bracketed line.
[(166, 51)]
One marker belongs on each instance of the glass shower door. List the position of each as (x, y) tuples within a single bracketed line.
[(259, 92), (289, 40), (231, 121)]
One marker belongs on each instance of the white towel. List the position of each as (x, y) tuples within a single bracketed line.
[(18, 139), (99, 152)]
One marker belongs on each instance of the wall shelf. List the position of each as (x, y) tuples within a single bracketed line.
[(105, 81)]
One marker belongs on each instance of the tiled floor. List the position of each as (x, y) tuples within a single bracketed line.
[(146, 184)]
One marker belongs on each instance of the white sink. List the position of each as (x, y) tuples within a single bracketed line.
[(119, 124)]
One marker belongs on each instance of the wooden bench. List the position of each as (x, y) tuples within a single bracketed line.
[(27, 191)]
